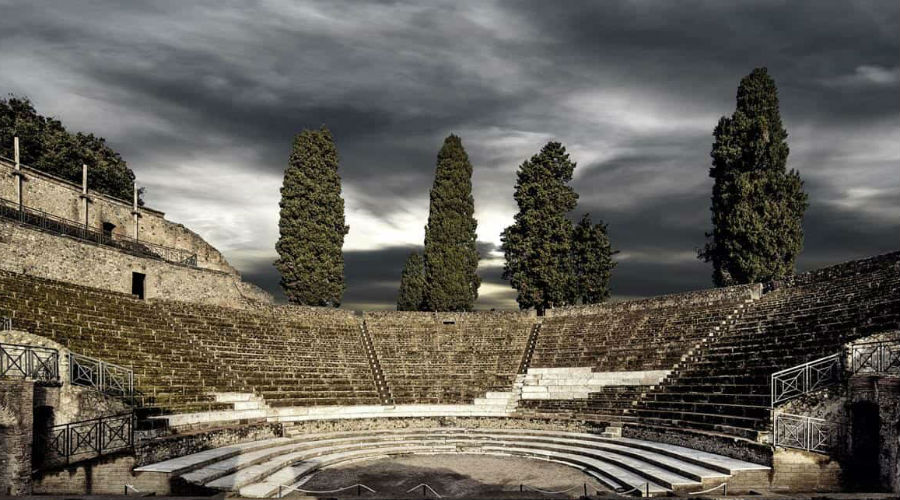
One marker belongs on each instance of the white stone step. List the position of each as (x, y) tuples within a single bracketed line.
[(232, 397), (259, 465)]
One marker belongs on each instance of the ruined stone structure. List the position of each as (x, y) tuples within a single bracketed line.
[(609, 387), (100, 247), (672, 394)]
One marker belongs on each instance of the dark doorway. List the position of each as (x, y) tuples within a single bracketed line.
[(43, 419), (137, 284), (866, 439), (108, 230)]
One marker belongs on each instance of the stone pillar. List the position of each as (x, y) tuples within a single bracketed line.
[(18, 175), (16, 414), (135, 214), (84, 196)]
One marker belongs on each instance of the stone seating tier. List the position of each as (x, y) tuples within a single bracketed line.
[(182, 352), (257, 469), (724, 386), (447, 358)]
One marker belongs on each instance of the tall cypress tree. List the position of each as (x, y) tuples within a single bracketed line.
[(312, 223), (592, 254), (412, 284), (757, 204), (451, 257), (537, 246)]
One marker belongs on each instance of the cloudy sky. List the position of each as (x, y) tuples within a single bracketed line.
[(202, 99)]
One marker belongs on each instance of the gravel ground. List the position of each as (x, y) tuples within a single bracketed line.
[(453, 476)]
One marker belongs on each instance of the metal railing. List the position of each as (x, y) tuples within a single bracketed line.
[(86, 439), (792, 382), (29, 362), (107, 378), (289, 489), (881, 357), (425, 489), (59, 225), (806, 433)]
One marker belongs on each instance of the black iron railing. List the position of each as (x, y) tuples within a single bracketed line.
[(807, 433), (59, 225), (76, 441), (882, 357), (107, 378), (29, 362)]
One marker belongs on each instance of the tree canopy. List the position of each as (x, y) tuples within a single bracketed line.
[(451, 256), (538, 245), (593, 262), (45, 144), (311, 225), (412, 284), (757, 204)]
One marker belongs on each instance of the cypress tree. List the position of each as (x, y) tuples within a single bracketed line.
[(312, 223), (412, 284), (537, 246), (451, 257), (592, 254), (757, 204)]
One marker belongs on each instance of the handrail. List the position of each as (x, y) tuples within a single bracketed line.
[(798, 380), (724, 487), (60, 225), (641, 488), (108, 378), (88, 438), (548, 492), (806, 433), (881, 356), (424, 486), (26, 361), (358, 486), (134, 489)]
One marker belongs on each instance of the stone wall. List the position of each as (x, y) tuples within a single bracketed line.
[(15, 436), (69, 403), (872, 394), (25, 250), (63, 199), (854, 267)]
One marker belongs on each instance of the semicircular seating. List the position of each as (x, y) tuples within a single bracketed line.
[(257, 469)]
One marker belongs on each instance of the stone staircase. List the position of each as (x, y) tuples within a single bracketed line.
[(384, 390), (258, 469)]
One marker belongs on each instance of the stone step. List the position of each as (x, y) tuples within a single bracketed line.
[(257, 469)]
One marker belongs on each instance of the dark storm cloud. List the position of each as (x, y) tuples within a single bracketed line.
[(203, 99)]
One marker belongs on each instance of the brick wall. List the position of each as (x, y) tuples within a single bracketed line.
[(25, 250), (15, 436)]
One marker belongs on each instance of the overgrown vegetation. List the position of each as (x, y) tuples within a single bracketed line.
[(45, 144)]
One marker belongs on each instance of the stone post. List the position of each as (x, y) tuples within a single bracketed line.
[(135, 213), (84, 195), (18, 174)]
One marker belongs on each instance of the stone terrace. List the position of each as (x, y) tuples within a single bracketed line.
[(438, 358), (640, 335), (725, 386), (183, 352)]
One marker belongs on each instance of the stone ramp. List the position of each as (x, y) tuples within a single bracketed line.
[(258, 469)]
